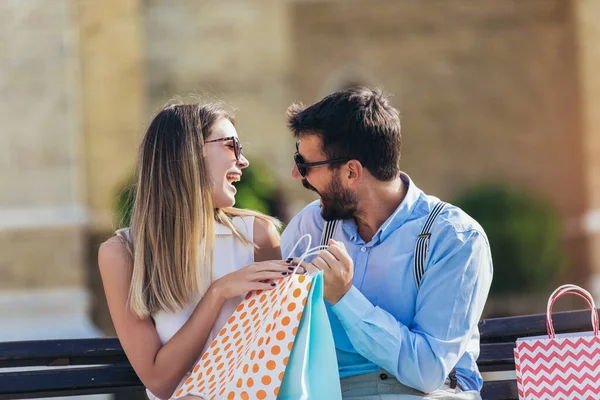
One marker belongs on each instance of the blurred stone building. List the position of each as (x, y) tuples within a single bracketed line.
[(487, 90)]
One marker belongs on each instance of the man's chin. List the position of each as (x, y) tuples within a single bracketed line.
[(327, 217), (327, 214)]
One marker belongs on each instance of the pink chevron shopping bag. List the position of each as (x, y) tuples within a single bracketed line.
[(560, 366)]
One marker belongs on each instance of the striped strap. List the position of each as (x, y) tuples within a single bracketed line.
[(423, 243), (328, 231), (422, 240)]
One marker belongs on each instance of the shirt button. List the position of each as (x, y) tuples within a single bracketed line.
[(363, 249), (383, 377)]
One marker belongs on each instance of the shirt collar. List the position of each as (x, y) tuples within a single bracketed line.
[(395, 220), (404, 210)]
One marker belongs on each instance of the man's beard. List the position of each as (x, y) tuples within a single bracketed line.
[(337, 202)]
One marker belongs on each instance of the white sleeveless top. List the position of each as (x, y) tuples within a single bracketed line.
[(230, 254)]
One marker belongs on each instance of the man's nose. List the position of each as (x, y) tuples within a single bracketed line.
[(296, 173)]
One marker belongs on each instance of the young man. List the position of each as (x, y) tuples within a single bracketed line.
[(406, 276)]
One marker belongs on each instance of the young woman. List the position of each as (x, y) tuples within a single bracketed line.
[(173, 278)]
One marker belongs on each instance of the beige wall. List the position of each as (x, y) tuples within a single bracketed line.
[(42, 210), (236, 51), (487, 91), (42, 258)]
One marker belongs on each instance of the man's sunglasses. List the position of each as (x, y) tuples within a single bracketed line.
[(304, 166), (237, 146)]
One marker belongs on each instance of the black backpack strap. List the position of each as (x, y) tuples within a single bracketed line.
[(423, 243), (328, 231)]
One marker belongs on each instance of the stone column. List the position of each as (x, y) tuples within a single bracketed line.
[(43, 211), (113, 119), (587, 15), (112, 83)]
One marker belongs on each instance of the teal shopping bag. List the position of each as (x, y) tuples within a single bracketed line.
[(312, 370)]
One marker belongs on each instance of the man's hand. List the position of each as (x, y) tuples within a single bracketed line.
[(338, 270)]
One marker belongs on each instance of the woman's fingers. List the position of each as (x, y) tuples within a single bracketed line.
[(261, 286), (270, 276), (296, 260), (306, 266), (294, 263), (299, 269), (278, 265)]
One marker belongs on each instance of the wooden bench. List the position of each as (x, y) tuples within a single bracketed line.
[(93, 366)]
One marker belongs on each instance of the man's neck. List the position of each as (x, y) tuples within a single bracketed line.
[(378, 202)]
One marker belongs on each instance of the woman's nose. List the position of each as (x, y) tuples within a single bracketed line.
[(243, 162)]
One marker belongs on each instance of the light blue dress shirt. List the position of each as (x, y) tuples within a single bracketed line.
[(384, 321)]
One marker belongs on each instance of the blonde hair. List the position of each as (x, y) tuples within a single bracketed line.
[(171, 235)]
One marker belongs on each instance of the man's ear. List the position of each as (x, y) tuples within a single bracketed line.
[(353, 173)]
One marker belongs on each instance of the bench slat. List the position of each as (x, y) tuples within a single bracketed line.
[(109, 351), (62, 352), (68, 382), (122, 378), (500, 390), (496, 357), (498, 330)]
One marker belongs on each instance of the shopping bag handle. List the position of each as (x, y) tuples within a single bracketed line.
[(289, 281), (578, 291), (310, 251)]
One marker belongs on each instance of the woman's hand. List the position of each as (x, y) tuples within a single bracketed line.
[(256, 276)]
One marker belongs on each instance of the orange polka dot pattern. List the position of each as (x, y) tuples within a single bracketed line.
[(247, 359)]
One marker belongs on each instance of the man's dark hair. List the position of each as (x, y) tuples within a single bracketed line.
[(354, 124)]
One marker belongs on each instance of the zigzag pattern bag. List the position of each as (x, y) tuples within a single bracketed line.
[(560, 366)]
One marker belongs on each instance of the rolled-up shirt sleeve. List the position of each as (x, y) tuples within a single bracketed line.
[(448, 307)]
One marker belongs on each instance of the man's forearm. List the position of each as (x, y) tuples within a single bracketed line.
[(380, 338)]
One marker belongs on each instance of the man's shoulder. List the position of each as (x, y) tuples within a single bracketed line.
[(313, 209), (454, 232), (308, 220), (309, 217), (459, 220), (453, 221)]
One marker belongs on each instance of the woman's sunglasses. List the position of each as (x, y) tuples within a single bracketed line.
[(237, 146), (304, 166)]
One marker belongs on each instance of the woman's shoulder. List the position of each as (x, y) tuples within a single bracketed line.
[(266, 238), (114, 242), (114, 253), (264, 230)]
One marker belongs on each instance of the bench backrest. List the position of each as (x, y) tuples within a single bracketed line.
[(91, 366)]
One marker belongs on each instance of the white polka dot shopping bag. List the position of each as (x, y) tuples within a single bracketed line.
[(277, 345)]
